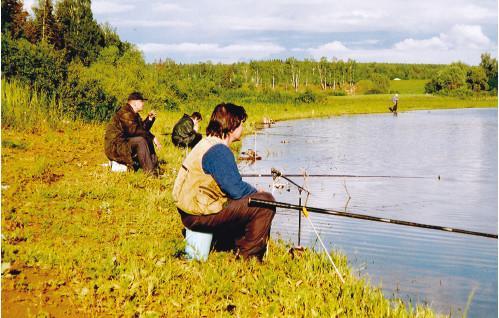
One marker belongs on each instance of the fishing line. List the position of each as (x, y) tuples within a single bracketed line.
[(290, 135), (277, 174), (258, 175), (305, 212)]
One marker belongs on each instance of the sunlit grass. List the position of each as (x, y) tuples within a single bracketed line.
[(408, 86), (27, 109), (104, 243)]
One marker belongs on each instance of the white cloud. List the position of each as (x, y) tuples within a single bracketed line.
[(107, 7), (460, 43), (467, 36), (168, 7), (458, 37), (176, 48), (354, 16), (328, 49), (214, 52), (364, 42), (435, 43), (151, 23)]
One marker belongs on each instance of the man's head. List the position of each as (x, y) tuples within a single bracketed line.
[(196, 116), (136, 100), (226, 119)]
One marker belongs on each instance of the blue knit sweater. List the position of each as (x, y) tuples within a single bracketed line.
[(220, 163)]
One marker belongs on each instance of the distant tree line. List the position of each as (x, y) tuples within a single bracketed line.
[(61, 51)]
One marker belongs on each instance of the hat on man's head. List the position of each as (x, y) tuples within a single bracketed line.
[(136, 96)]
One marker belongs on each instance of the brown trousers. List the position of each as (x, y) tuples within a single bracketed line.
[(238, 226), (144, 153)]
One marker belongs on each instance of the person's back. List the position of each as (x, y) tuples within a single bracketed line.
[(116, 148), (185, 133)]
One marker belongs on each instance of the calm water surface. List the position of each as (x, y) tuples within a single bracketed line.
[(422, 266)]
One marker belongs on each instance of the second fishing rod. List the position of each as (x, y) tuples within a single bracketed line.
[(304, 208)]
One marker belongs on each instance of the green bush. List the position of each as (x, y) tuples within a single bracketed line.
[(447, 79), (380, 84), (339, 93), (363, 86), (86, 98), (39, 66), (307, 97)]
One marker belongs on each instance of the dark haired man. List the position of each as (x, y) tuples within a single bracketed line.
[(185, 132), (128, 139), (212, 197)]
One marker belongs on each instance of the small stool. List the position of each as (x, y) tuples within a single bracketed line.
[(117, 167), (198, 245)]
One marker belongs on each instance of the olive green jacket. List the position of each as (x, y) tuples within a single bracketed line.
[(183, 133), (125, 124)]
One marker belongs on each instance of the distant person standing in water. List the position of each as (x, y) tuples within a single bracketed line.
[(395, 100), (185, 132)]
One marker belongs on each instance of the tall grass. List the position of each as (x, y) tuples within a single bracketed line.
[(24, 108)]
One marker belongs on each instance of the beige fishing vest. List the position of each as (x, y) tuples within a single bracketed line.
[(194, 191)]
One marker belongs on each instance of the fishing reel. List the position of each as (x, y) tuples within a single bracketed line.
[(276, 185)]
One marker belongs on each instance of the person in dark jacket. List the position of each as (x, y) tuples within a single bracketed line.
[(128, 139), (185, 132)]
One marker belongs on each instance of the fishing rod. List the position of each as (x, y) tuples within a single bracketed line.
[(265, 203)]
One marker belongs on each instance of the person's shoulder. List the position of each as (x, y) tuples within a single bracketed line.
[(217, 151), (218, 148), (217, 155), (183, 119)]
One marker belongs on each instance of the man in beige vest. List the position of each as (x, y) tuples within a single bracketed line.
[(212, 197)]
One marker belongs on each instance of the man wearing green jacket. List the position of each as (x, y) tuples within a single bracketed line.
[(185, 132)]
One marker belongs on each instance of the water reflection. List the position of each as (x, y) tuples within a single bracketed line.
[(459, 146)]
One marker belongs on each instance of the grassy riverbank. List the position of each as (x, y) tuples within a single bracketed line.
[(82, 241)]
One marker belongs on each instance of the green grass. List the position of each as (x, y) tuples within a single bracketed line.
[(107, 242), (408, 86), (83, 241), (26, 109)]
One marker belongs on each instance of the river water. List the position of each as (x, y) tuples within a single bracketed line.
[(420, 266)]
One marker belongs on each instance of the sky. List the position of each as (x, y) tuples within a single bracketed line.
[(398, 31)]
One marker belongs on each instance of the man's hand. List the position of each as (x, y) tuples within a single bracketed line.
[(151, 115), (196, 127), (156, 143)]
